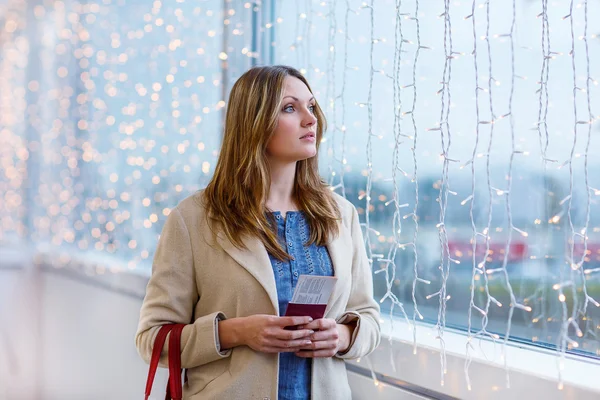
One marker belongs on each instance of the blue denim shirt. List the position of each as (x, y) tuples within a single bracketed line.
[(293, 232)]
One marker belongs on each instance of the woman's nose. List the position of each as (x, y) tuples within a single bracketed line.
[(310, 119)]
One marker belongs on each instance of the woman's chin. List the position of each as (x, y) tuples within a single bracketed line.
[(308, 155)]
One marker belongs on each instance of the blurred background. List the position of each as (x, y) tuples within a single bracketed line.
[(465, 132)]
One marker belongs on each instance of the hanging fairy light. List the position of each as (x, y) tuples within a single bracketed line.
[(432, 124), (494, 110)]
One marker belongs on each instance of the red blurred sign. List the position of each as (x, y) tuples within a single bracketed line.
[(464, 250), (593, 250)]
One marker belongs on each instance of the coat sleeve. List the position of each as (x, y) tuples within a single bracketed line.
[(171, 296), (362, 308)]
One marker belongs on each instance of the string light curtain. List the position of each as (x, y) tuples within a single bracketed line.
[(462, 131)]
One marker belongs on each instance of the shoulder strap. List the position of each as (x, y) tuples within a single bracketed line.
[(175, 363), (156, 351)]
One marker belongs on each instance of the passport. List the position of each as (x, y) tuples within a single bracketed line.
[(311, 296)]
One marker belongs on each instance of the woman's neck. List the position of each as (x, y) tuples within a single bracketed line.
[(281, 192), (282, 205)]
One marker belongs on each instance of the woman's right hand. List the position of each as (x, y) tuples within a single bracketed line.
[(266, 333)]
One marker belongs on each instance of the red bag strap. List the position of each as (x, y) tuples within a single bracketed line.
[(175, 363), (174, 388), (156, 351)]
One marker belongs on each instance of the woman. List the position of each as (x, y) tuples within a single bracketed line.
[(229, 258)]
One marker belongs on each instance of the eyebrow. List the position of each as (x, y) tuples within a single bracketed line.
[(295, 98)]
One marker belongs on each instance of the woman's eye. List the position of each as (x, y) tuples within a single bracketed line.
[(290, 109)]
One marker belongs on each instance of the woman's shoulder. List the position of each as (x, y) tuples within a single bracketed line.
[(192, 207), (194, 214), (345, 206)]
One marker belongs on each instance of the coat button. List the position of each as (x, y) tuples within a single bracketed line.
[(295, 274)]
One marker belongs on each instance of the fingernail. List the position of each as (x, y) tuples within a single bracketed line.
[(311, 332), (308, 342), (310, 319)]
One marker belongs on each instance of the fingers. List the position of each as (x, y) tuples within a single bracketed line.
[(292, 335), (282, 334), (292, 344), (320, 336), (285, 346), (320, 324), (321, 345), (324, 342), (292, 321), (309, 348), (330, 334)]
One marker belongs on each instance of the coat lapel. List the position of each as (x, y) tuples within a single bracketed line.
[(340, 250), (255, 259)]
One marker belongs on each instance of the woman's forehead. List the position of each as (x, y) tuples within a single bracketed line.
[(296, 88)]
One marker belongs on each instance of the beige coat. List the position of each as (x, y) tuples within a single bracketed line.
[(194, 280)]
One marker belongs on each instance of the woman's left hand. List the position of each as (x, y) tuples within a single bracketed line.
[(329, 338)]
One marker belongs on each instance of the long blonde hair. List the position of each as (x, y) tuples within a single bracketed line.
[(237, 193)]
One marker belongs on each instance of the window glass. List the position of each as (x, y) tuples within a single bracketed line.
[(455, 128)]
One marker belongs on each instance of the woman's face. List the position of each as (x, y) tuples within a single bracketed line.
[(295, 136)]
